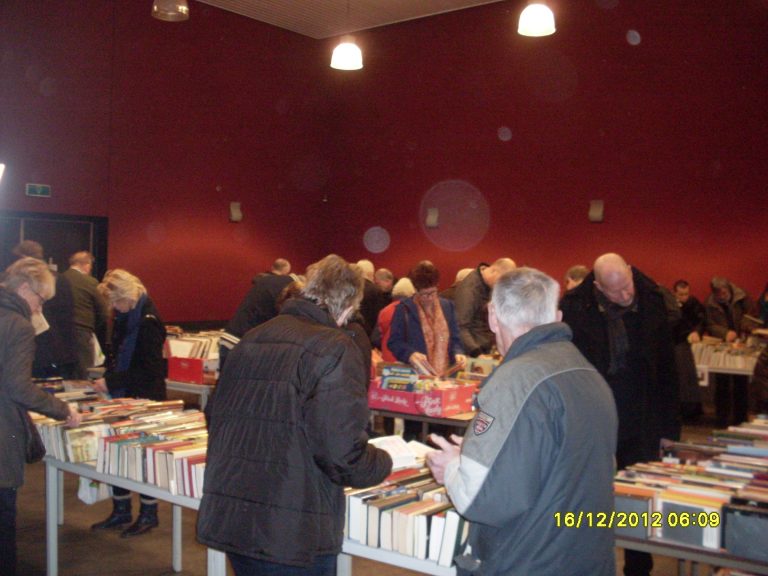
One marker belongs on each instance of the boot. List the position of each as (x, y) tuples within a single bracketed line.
[(121, 514), (144, 523)]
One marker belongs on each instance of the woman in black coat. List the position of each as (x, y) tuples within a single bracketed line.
[(137, 369)]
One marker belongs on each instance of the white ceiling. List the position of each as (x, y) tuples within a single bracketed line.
[(327, 18)]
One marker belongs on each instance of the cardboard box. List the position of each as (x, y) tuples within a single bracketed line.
[(437, 403), (190, 370)]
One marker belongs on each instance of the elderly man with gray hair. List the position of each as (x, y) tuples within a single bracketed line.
[(540, 449)]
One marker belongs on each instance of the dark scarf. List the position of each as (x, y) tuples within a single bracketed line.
[(618, 341), (129, 323)]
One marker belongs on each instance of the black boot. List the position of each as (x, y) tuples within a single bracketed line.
[(121, 514), (144, 523)]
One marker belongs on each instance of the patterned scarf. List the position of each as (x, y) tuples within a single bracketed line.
[(435, 330)]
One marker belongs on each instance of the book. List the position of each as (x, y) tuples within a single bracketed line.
[(436, 535), (454, 534)]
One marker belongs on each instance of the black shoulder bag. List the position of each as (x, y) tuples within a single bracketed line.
[(35, 449)]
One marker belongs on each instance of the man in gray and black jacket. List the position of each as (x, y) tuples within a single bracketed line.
[(539, 452)]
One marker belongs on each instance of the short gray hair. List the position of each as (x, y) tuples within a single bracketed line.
[(334, 284), (525, 297), (34, 273)]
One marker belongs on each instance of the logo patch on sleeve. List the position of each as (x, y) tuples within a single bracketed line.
[(483, 421)]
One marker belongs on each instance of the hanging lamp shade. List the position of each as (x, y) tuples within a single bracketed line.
[(170, 10), (347, 56), (536, 20)]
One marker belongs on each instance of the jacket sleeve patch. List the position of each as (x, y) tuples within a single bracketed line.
[(483, 422)]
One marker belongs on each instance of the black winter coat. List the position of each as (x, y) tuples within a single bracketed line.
[(648, 400), (145, 377), (287, 433)]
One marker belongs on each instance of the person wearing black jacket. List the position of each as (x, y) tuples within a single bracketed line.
[(620, 323), (287, 434), (136, 369)]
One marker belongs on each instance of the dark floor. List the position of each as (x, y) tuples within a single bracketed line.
[(85, 553)]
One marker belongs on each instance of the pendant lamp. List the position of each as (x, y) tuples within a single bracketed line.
[(536, 20), (347, 55), (170, 10)]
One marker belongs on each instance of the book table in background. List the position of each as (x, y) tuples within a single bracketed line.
[(458, 421), (54, 511), (202, 390), (694, 554)]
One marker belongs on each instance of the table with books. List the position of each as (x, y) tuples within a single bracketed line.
[(399, 391), (203, 390), (713, 356), (706, 502)]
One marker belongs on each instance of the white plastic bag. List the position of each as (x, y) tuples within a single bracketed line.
[(89, 491)]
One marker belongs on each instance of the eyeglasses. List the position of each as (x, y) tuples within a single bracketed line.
[(428, 293), (40, 296)]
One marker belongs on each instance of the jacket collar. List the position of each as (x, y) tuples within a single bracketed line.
[(13, 302), (303, 308), (544, 334)]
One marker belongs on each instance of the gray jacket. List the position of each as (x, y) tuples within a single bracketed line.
[(541, 445), (717, 319), (17, 392)]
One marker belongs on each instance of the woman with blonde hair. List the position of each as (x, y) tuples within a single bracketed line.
[(136, 369)]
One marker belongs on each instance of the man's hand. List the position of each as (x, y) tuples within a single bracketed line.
[(439, 459)]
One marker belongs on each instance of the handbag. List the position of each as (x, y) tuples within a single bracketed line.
[(35, 449)]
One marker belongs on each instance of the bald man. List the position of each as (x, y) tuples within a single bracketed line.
[(471, 298), (619, 322)]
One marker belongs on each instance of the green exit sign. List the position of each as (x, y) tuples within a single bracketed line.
[(39, 190)]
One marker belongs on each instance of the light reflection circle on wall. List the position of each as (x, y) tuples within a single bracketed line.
[(454, 215), (634, 38), (504, 133), (376, 239)]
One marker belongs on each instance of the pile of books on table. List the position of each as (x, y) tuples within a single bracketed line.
[(711, 494), (157, 443), (409, 513), (726, 355)]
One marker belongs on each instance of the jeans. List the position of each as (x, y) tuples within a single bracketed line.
[(8, 531), (246, 566)]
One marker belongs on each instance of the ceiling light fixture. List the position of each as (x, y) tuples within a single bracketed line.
[(347, 55), (536, 20), (170, 10)]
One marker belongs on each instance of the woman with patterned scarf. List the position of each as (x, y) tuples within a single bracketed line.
[(137, 370), (424, 331)]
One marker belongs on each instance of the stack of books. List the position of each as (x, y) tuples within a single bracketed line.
[(409, 513), (157, 443)]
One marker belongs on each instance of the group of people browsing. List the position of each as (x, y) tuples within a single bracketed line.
[(586, 379)]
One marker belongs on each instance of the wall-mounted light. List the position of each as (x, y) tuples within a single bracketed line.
[(347, 55), (536, 20), (235, 212), (170, 10), (2, 169)]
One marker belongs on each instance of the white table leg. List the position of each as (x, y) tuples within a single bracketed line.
[(51, 515), (217, 563), (60, 510), (176, 514), (344, 565)]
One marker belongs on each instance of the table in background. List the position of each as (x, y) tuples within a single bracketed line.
[(694, 554), (458, 421), (202, 390)]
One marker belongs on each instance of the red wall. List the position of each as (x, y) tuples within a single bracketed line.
[(159, 126), (670, 133)]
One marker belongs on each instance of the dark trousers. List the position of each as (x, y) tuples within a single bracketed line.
[(731, 399), (8, 531), (246, 566)]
